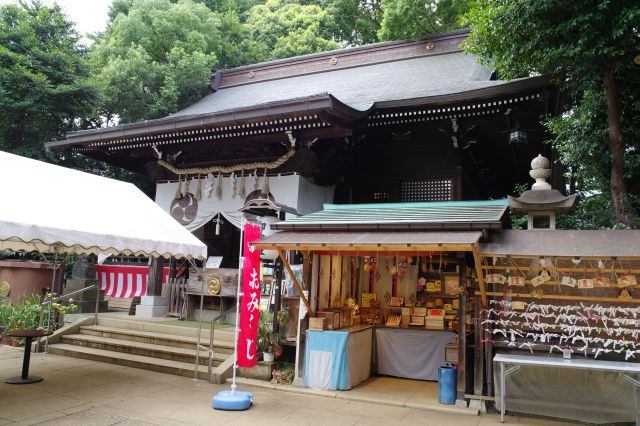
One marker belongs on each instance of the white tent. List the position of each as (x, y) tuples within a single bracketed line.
[(49, 208)]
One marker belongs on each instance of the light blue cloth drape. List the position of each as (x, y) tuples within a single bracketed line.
[(332, 345)]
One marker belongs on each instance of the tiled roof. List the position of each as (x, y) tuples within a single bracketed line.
[(569, 243), (359, 87), (397, 216)]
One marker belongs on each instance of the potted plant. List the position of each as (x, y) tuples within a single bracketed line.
[(284, 374), (61, 310), (6, 313), (284, 317), (267, 341)]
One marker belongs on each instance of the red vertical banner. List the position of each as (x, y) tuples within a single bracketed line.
[(250, 302)]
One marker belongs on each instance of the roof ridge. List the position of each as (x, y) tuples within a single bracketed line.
[(370, 54)]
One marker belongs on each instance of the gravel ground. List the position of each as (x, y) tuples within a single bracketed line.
[(8, 352)]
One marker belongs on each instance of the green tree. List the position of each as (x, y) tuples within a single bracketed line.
[(44, 85), (157, 56), (412, 19), (353, 22), (282, 29), (590, 46)]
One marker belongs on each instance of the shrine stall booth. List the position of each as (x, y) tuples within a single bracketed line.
[(391, 289), (562, 325)]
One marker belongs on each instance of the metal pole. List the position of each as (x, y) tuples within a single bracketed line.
[(199, 328), (502, 392), (211, 331), (95, 313), (53, 283), (238, 297)]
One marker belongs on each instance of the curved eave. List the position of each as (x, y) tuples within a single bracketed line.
[(509, 88), (323, 103), (520, 207)]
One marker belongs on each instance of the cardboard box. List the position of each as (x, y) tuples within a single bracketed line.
[(333, 319), (417, 320), (317, 323), (420, 311), (451, 353), (406, 320)]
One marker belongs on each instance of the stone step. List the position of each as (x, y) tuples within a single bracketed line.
[(222, 334), (176, 341), (129, 360), (144, 349)]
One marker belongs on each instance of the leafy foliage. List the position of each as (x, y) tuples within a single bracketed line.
[(412, 19), (355, 22), (590, 47), (283, 28), (580, 40), (44, 85), (266, 339), (156, 58)]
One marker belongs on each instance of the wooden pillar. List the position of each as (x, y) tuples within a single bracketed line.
[(478, 357), (462, 344), (277, 284), (154, 280)]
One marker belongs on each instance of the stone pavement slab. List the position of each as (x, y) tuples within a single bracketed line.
[(81, 392)]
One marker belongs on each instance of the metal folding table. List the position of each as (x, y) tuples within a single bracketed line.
[(509, 364)]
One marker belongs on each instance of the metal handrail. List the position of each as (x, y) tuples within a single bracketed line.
[(54, 299), (209, 350)]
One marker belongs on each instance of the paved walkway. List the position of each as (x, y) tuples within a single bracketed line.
[(81, 392)]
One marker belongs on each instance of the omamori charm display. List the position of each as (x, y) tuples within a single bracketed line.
[(250, 304)]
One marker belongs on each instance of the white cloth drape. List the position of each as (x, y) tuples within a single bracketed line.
[(293, 191)]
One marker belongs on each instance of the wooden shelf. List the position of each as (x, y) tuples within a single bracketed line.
[(562, 297), (576, 270)]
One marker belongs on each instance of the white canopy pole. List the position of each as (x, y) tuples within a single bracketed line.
[(238, 299)]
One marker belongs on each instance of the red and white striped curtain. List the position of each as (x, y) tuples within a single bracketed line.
[(121, 281)]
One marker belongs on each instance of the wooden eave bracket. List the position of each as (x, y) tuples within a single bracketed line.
[(296, 284), (479, 274)]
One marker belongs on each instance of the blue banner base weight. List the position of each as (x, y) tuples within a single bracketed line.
[(232, 401)]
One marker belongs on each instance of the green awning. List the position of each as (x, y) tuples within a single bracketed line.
[(445, 215)]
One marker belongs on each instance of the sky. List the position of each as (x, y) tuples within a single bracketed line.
[(90, 16)]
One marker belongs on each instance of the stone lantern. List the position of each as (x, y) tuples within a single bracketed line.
[(541, 203)]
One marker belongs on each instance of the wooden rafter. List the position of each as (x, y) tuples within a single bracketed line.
[(353, 248), (479, 274), (296, 284)]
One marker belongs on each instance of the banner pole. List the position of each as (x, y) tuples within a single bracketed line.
[(238, 297)]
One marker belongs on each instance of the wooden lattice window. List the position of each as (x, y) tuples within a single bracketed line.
[(436, 189)]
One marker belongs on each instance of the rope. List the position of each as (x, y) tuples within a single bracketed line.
[(229, 169)]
